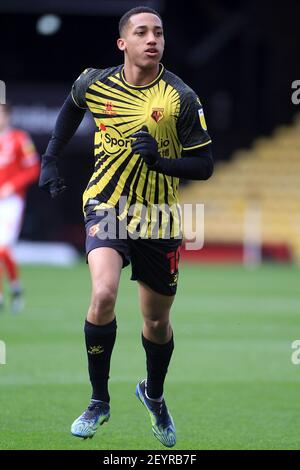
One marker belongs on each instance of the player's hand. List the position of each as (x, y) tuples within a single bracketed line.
[(50, 181), (146, 146)]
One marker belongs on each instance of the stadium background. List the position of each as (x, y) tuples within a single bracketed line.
[(232, 384)]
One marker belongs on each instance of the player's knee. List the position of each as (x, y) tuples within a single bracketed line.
[(157, 326), (103, 301)]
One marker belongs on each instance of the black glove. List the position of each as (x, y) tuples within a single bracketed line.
[(50, 180), (146, 146)]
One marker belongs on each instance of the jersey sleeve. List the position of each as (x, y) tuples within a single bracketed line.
[(29, 155), (80, 87), (191, 124)]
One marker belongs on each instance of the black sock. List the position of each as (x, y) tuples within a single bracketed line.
[(158, 359), (99, 342)]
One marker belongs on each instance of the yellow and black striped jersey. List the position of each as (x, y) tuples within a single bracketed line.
[(174, 116)]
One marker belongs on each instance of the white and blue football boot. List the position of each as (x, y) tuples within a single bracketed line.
[(96, 414), (162, 422)]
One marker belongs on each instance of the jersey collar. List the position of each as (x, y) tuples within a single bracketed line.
[(143, 87)]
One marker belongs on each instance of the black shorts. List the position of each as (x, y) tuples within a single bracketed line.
[(153, 261)]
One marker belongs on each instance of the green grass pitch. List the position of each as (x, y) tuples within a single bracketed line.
[(231, 383)]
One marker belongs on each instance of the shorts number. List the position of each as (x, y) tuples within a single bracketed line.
[(173, 257)]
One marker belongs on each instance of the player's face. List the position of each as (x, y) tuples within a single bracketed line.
[(4, 118), (143, 40)]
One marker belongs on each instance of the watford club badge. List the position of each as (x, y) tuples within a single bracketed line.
[(157, 114), (93, 230)]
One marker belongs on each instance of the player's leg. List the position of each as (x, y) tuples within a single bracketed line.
[(1, 285), (157, 339), (105, 266), (11, 211), (12, 273), (155, 267)]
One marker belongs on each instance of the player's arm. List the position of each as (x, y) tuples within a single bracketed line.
[(195, 164)]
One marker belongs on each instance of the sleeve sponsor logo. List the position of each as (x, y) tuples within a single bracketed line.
[(202, 119)]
